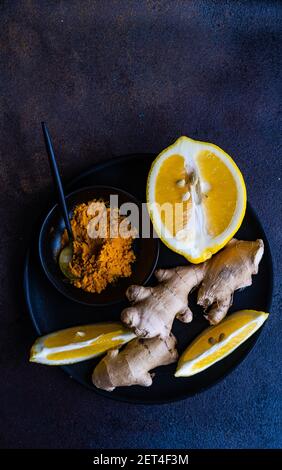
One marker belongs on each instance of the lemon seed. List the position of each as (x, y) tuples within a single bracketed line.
[(180, 183), (186, 196)]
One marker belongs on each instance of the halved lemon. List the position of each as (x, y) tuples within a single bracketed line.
[(196, 198), (79, 343), (218, 341)]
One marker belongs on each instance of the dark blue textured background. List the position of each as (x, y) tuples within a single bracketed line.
[(115, 77)]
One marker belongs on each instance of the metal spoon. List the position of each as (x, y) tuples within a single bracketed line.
[(66, 254)]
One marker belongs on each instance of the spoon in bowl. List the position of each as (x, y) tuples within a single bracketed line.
[(66, 253)]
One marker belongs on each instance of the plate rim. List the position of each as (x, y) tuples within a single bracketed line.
[(180, 397)]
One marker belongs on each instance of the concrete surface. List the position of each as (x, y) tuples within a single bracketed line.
[(110, 78)]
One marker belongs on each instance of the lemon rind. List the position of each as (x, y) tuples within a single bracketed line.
[(214, 248), (40, 353), (188, 368)]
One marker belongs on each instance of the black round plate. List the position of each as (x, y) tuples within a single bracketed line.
[(145, 249), (51, 311)]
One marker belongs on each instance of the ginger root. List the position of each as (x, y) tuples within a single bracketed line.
[(154, 308), (231, 269), (131, 365)]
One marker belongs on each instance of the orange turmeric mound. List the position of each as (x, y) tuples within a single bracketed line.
[(98, 261)]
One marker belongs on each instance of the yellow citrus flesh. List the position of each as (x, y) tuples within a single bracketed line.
[(171, 171), (79, 343), (220, 199), (196, 198), (219, 341)]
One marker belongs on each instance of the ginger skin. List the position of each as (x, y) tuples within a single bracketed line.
[(231, 269), (154, 308), (131, 366)]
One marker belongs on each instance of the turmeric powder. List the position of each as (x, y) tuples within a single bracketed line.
[(100, 260)]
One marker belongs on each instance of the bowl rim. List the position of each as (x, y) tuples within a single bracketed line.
[(50, 276)]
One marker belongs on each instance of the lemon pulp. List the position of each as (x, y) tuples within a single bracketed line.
[(168, 194), (216, 342), (220, 199), (79, 343), (196, 198)]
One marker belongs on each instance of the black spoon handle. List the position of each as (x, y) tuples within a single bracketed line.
[(57, 179)]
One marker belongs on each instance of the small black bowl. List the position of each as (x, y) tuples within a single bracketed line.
[(145, 249)]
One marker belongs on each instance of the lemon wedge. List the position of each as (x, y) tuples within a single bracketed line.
[(196, 198), (79, 343), (218, 341)]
